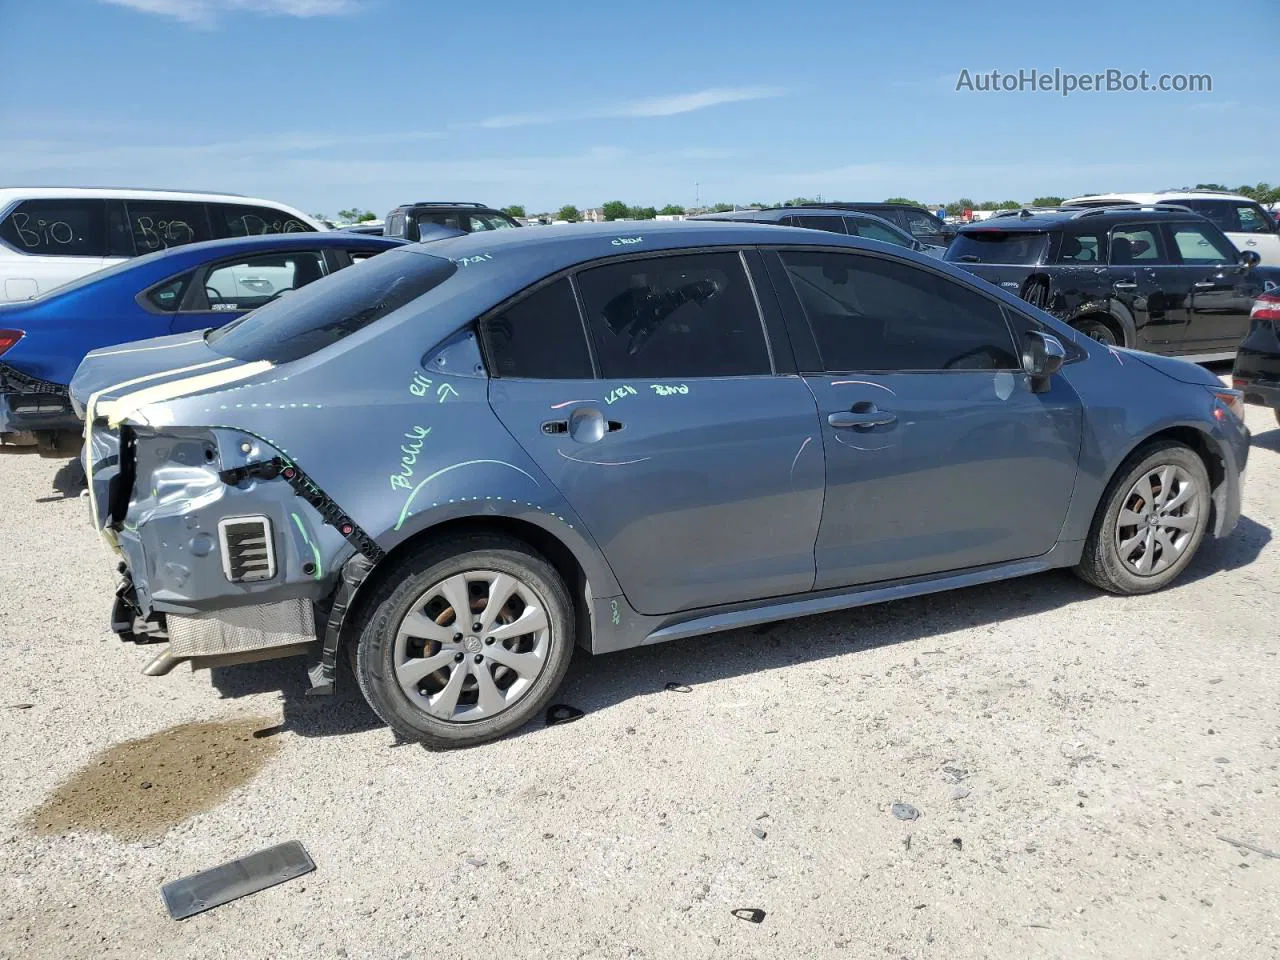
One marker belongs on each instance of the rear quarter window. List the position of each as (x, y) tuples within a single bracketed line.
[(245, 220), (323, 313)]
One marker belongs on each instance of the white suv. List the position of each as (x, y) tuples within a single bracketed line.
[(52, 235), (1249, 226)]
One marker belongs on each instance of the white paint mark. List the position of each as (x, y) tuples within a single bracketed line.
[(797, 456), (601, 463)]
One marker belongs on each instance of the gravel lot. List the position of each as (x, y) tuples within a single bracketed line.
[(1097, 747)]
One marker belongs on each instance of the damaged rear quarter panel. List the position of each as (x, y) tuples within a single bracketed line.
[(393, 423)]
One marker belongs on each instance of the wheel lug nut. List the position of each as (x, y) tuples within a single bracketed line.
[(457, 657), (457, 637), (479, 659), (475, 627), (488, 640)]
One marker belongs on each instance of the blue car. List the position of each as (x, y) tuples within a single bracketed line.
[(192, 287), (468, 457)]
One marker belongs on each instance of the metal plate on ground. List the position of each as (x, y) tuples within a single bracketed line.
[(235, 879)]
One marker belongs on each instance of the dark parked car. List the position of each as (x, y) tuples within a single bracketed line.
[(407, 220), (1154, 278), (466, 457), (850, 222), (916, 221), (191, 287), (1257, 367)]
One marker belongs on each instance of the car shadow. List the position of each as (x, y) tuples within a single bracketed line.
[(1270, 440), (597, 683)]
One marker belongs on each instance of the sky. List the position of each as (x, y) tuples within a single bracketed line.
[(326, 104)]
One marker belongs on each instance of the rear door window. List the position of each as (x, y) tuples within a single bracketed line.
[(57, 228), (827, 223), (395, 225), (538, 337), (676, 316), (1139, 244), (324, 313), (161, 224), (246, 220), (251, 282), (860, 227), (874, 314), (1020, 247)]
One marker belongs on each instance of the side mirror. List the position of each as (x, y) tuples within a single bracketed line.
[(1249, 259), (1042, 357)]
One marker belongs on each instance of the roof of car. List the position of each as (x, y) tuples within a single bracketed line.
[(1030, 219), (1160, 196), (451, 204), (777, 213), (520, 254)]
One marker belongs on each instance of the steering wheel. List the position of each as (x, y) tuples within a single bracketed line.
[(213, 295), (982, 352)]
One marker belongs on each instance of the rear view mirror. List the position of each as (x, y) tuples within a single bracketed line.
[(1042, 357), (1249, 259)]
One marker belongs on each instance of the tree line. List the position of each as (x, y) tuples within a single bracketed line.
[(618, 210)]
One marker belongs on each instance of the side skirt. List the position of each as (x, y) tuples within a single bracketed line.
[(618, 627)]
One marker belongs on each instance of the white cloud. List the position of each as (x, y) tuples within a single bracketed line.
[(206, 11), (668, 106)]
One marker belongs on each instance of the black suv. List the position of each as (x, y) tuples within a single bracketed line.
[(1257, 368), (406, 220), (919, 223), (1153, 278)]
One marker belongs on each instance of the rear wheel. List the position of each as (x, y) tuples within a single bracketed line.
[(1151, 521), (1097, 330), (466, 642)]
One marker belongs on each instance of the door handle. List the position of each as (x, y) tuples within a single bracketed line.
[(1204, 285), (1125, 285), (862, 419)]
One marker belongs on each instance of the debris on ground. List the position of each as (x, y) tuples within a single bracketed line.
[(1261, 851), (904, 811), (477, 861), (959, 793), (674, 687), (562, 713), (235, 879), (750, 914), (760, 834)]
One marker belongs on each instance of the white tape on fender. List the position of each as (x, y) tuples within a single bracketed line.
[(117, 410), (91, 412)]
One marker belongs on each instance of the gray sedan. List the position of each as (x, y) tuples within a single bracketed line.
[(466, 457)]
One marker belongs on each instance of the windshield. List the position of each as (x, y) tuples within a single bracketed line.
[(998, 246), (328, 310)]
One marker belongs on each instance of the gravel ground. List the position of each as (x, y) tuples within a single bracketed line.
[(1074, 759)]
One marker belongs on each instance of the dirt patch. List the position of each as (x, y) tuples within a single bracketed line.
[(141, 788)]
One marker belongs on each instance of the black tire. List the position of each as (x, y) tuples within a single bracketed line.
[(1276, 411), (1101, 563), (377, 629), (1098, 330)]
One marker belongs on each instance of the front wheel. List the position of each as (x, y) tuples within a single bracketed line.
[(1151, 521), (465, 642)]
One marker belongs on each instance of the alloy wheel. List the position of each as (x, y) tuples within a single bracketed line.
[(472, 645), (1157, 520)]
